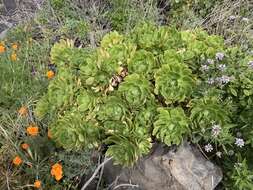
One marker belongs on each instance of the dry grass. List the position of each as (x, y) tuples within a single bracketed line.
[(25, 10), (227, 20)]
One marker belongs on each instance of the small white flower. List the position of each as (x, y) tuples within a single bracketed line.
[(250, 63), (204, 67), (239, 142), (208, 148), (216, 129), (223, 79), (232, 17), (210, 81), (210, 61), (222, 67), (238, 165), (218, 154), (244, 19), (219, 56)]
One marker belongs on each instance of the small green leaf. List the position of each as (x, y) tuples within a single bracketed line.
[(233, 91)]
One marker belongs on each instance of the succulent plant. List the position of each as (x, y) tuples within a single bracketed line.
[(143, 63), (61, 52), (111, 39), (127, 147), (171, 125), (149, 37), (60, 94), (113, 108), (85, 100), (174, 81), (72, 132), (42, 107), (207, 110), (141, 85), (136, 90)]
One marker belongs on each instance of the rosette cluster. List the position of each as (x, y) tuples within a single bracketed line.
[(136, 89)]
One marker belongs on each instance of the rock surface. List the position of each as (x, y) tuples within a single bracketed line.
[(4, 27), (10, 5), (166, 169), (13, 12)]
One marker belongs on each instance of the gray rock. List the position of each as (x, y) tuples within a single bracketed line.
[(3, 27), (3, 34), (167, 169), (10, 5)]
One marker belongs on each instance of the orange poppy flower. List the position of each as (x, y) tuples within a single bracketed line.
[(14, 57), (58, 177), (32, 130), (49, 134), (50, 74), (2, 48), (37, 184), (56, 171), (23, 111), (17, 161), (14, 46), (25, 146)]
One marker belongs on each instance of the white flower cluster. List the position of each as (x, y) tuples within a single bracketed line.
[(239, 142), (208, 147), (216, 129)]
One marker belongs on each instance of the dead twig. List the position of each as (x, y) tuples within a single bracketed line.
[(113, 183), (125, 185), (95, 172), (202, 152), (100, 176)]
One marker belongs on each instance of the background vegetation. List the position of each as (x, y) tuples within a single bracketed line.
[(25, 63)]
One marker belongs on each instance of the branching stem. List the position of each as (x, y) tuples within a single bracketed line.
[(95, 172)]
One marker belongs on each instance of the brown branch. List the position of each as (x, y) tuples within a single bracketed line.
[(95, 172), (125, 185)]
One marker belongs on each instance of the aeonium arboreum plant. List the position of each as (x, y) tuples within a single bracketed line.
[(148, 84), (136, 90), (174, 82), (171, 125)]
